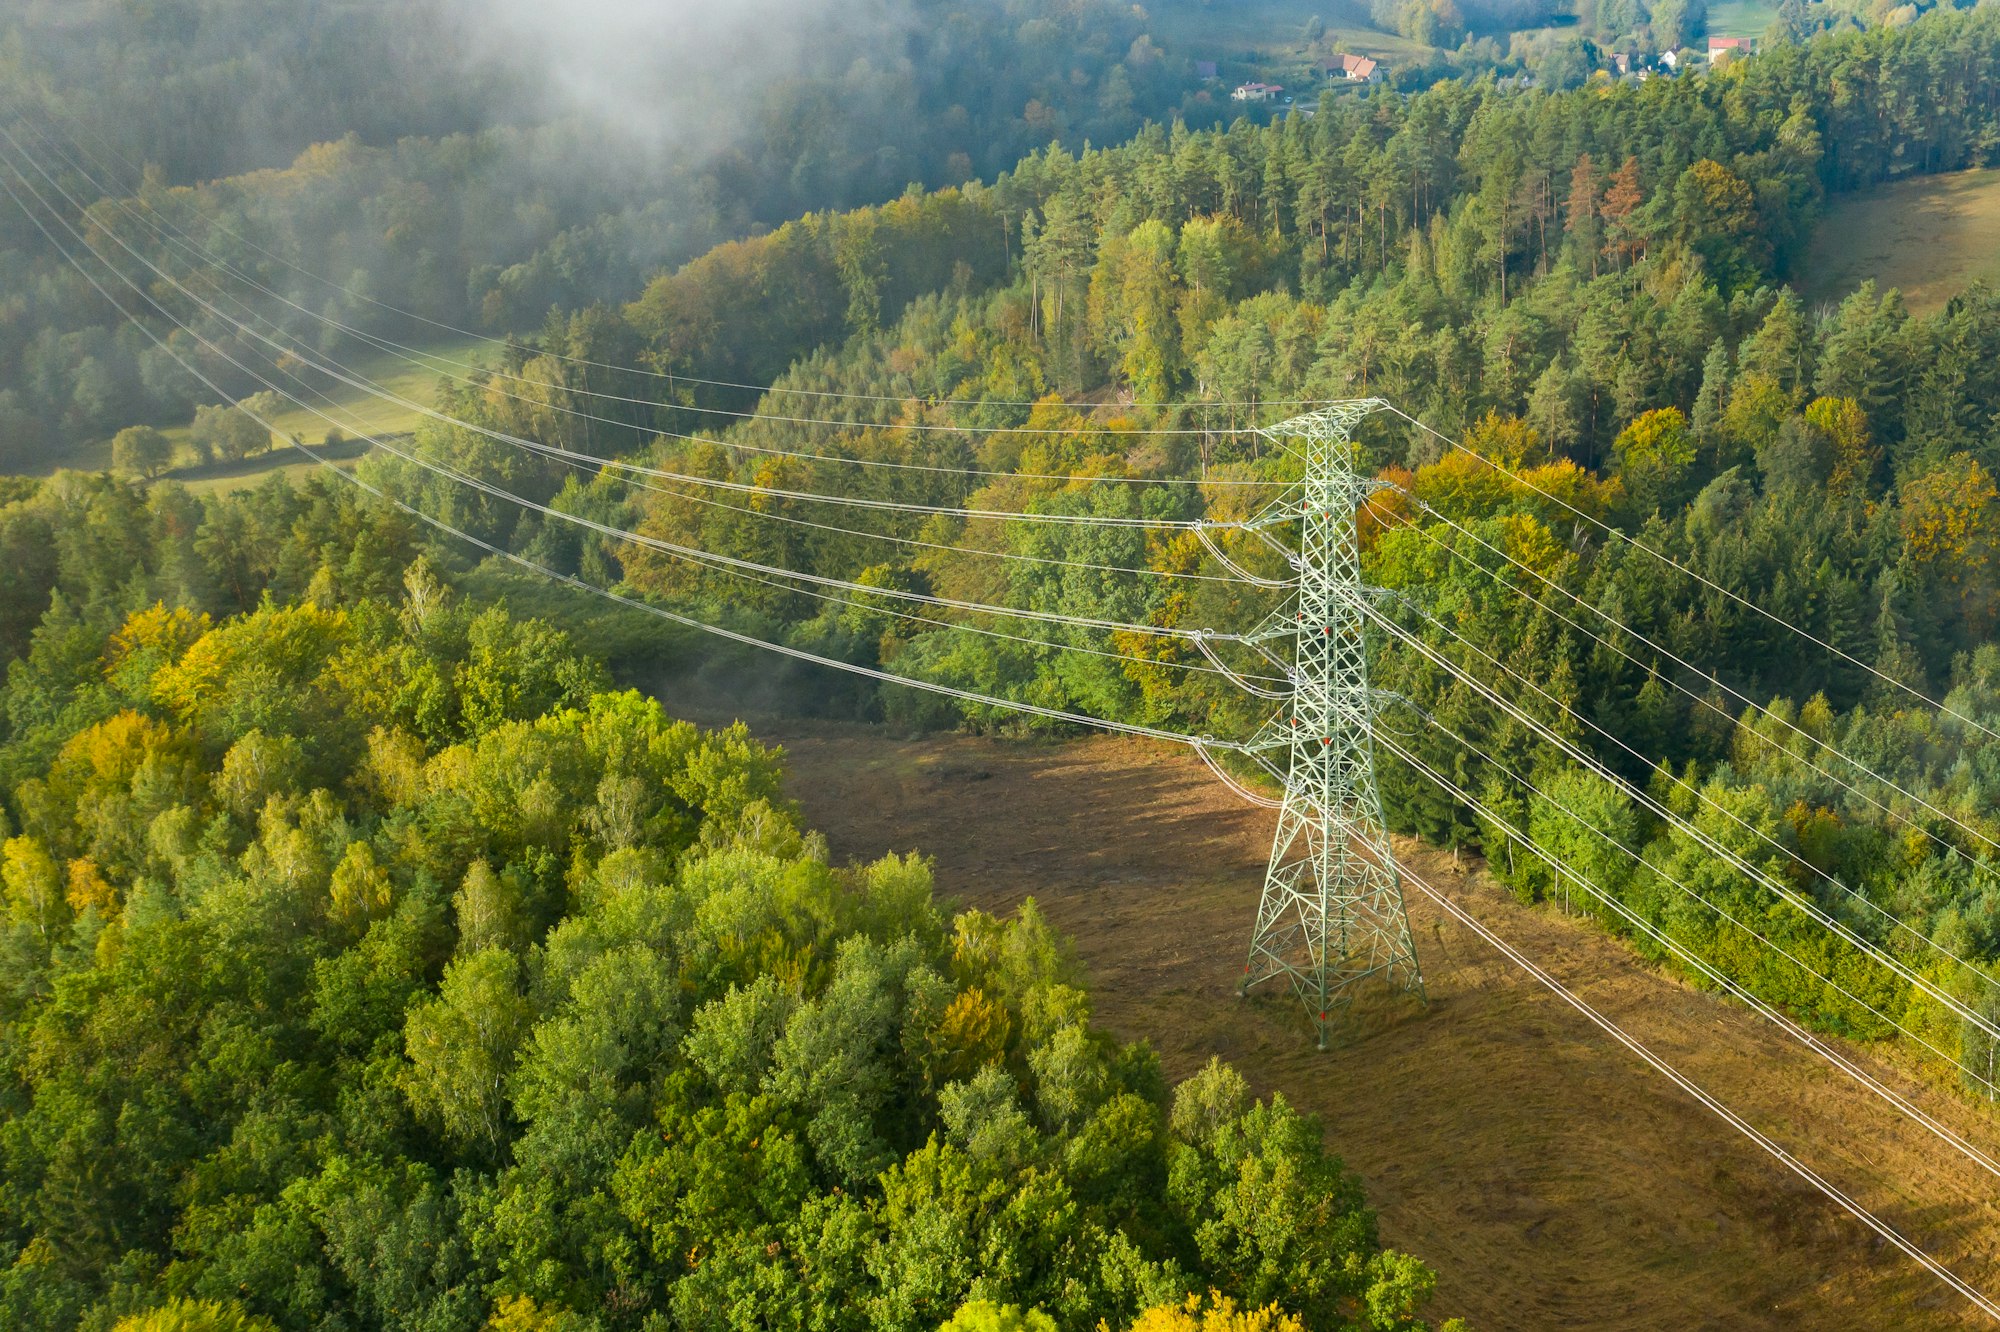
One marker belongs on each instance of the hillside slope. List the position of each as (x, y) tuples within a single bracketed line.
[(1552, 1179)]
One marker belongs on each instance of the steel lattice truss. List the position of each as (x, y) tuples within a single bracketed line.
[(1332, 911)]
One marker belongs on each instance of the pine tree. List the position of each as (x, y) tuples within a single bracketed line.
[(1781, 347), (1713, 397), (1896, 656), (1581, 207)]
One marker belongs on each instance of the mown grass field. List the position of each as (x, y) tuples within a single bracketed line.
[(1267, 37), (1930, 237), (220, 478), (1740, 18), (358, 412)]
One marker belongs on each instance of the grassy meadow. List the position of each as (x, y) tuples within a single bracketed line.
[(1266, 38), (359, 413), (1930, 237), (1740, 18)]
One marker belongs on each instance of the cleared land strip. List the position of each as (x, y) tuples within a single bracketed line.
[(1553, 1180)]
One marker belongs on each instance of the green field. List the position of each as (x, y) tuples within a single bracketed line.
[(357, 411), (1740, 18), (222, 477), (1930, 237), (1266, 38)]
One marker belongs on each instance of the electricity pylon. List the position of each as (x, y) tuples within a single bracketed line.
[(1332, 911)]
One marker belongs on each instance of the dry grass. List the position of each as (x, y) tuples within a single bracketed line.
[(1553, 1180), (1931, 237)]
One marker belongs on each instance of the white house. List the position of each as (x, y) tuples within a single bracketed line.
[(1257, 92)]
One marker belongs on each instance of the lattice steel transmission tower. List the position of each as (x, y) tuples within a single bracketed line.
[(1332, 911)]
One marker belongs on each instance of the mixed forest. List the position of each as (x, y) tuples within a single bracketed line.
[(1587, 290), (371, 959)]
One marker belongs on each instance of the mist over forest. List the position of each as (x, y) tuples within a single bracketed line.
[(483, 163)]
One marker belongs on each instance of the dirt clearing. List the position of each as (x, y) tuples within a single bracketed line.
[(1551, 1178)]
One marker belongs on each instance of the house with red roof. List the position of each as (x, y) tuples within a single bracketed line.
[(1353, 68)]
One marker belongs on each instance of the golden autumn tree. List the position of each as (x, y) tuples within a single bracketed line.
[(1855, 452), (1950, 524), (193, 1316), (1655, 454), (1217, 1313)]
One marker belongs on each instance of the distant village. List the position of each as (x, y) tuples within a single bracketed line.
[(1346, 68)]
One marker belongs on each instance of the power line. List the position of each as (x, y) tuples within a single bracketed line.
[(575, 460), (1401, 413), (1688, 1085), (1688, 829), (1699, 794), (888, 537), (671, 376), (752, 570), (1713, 586), (1770, 1013), (1064, 519), (669, 547), (886, 677), (753, 566), (1740, 697), (571, 459), (1799, 900), (1200, 743)]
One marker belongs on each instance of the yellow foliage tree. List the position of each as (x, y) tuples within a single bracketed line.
[(1555, 489), (110, 753), (971, 1034), (986, 1316), (291, 644), (1949, 518), (1950, 525), (33, 884), (1654, 456), (519, 1313), (1507, 440), (1855, 452), (87, 887), (151, 638), (1460, 485), (1218, 1313), (361, 889), (1533, 545), (193, 1316), (1758, 406)]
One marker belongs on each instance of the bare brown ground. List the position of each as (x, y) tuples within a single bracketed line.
[(1552, 1179)]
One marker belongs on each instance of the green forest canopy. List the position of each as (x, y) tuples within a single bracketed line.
[(370, 962)]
